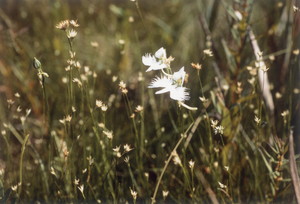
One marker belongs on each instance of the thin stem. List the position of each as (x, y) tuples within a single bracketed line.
[(46, 105), (164, 169), (201, 87), (70, 78), (193, 185), (187, 107), (169, 75), (21, 162), (167, 163), (207, 116)]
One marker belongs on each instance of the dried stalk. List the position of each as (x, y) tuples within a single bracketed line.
[(293, 167), (262, 76)]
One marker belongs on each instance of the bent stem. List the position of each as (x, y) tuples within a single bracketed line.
[(187, 107), (167, 163), (169, 75)]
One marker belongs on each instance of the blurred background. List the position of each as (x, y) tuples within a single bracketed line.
[(112, 38)]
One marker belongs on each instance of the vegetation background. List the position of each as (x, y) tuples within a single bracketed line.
[(56, 145)]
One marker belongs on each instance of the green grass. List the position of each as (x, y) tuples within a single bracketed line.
[(58, 146)]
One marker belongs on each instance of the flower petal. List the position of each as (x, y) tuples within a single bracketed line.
[(156, 66), (164, 90), (160, 82), (148, 60), (161, 53), (180, 75), (179, 94)]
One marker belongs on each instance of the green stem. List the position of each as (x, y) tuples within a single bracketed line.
[(70, 79), (207, 118), (46, 105), (21, 162), (200, 83)]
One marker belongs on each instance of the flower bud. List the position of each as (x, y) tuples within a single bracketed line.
[(36, 63)]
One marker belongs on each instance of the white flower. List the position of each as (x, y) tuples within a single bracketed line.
[(153, 64), (178, 93), (168, 82), (161, 53), (156, 62), (179, 76), (163, 82)]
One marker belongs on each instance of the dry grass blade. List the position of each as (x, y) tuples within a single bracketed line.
[(207, 32), (207, 187), (289, 36), (262, 76), (196, 124), (293, 167)]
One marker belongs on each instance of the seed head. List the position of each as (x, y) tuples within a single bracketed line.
[(165, 194), (104, 108), (191, 164), (122, 85), (99, 103), (133, 193), (71, 34), (68, 118), (214, 123), (139, 108), (74, 23), (176, 159), (127, 148), (109, 134), (196, 66), (126, 159), (219, 129), (208, 52), (63, 25), (257, 120)]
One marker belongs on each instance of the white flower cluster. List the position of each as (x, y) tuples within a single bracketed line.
[(168, 82)]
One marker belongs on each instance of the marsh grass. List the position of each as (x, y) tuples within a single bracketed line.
[(84, 127)]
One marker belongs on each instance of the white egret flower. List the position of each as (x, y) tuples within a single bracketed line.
[(179, 76), (153, 64), (156, 62), (179, 94), (172, 84), (168, 82), (161, 53)]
